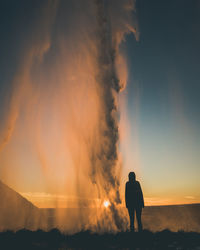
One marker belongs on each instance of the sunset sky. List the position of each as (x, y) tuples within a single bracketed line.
[(161, 137)]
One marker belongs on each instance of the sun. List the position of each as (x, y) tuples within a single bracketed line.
[(106, 203)]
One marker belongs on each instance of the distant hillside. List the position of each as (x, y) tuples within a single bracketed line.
[(16, 211)]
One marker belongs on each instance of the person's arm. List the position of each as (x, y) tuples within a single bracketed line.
[(141, 193), (126, 195)]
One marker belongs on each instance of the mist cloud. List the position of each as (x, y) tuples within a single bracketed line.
[(69, 79)]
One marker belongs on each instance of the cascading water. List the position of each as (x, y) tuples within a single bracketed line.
[(64, 109)]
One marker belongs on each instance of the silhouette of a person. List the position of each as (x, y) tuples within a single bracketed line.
[(134, 201)]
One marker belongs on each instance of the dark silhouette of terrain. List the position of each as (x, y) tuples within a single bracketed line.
[(53, 239)]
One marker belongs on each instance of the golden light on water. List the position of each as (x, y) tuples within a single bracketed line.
[(106, 203)]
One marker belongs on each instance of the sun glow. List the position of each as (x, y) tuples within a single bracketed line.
[(106, 203)]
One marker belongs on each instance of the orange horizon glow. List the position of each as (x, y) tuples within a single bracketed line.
[(43, 200)]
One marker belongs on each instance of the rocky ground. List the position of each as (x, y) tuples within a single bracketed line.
[(53, 239)]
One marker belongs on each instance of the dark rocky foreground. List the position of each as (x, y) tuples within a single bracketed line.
[(53, 239)]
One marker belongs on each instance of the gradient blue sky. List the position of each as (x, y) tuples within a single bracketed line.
[(165, 81)]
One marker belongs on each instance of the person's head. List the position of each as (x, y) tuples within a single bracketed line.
[(131, 176)]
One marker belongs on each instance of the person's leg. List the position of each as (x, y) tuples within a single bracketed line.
[(139, 220), (131, 212)]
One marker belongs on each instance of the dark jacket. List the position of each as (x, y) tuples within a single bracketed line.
[(133, 195)]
